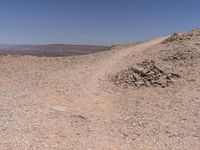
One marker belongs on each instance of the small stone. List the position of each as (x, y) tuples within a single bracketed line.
[(162, 81)]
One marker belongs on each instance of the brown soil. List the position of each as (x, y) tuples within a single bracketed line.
[(71, 103)]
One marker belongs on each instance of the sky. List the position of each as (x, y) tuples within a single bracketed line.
[(96, 22)]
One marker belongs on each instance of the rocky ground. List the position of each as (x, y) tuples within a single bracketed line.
[(137, 96), (145, 74)]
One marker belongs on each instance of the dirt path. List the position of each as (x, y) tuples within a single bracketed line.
[(94, 84), (116, 62)]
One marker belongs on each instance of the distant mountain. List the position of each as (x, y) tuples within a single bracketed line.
[(51, 50)]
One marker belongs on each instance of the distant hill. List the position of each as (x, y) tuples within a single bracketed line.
[(8, 47), (51, 50)]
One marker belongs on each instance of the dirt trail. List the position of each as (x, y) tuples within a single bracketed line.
[(116, 62), (95, 83)]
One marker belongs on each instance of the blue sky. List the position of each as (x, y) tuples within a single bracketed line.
[(101, 22)]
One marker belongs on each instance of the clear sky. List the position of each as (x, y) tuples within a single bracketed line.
[(94, 21)]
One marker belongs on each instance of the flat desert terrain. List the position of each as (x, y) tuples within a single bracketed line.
[(142, 96)]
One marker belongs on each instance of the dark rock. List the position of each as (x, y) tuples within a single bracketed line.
[(181, 53), (144, 74)]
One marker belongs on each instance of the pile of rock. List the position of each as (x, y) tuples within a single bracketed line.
[(144, 74), (181, 53), (176, 38), (179, 38)]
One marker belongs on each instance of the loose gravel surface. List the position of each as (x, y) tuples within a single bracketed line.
[(71, 103)]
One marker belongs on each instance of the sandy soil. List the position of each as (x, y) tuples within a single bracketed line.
[(70, 102)]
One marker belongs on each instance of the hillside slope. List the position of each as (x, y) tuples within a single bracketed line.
[(100, 101)]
